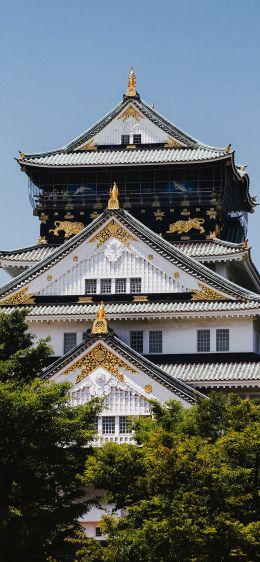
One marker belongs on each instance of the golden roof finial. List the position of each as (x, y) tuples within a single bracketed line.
[(100, 323), (113, 202), (131, 85)]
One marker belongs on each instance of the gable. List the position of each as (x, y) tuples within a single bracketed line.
[(102, 371), (131, 121), (113, 238)]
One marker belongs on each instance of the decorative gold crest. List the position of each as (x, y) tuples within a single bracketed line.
[(140, 298), (148, 388), (205, 293), (112, 230), (21, 297), (130, 111), (85, 300), (100, 323), (131, 84), (113, 202), (99, 356)]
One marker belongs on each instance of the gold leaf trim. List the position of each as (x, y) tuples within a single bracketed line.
[(140, 298), (68, 227), (112, 230), (99, 356), (130, 111), (21, 297), (205, 293), (90, 145), (173, 143), (85, 299)]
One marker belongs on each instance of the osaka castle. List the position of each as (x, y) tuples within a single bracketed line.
[(142, 275)]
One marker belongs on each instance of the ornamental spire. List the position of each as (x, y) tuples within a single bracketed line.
[(131, 85), (113, 202), (100, 323)]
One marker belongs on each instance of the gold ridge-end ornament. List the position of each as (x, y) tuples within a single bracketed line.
[(100, 323)]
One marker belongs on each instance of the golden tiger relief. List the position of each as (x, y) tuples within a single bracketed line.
[(185, 226), (68, 227)]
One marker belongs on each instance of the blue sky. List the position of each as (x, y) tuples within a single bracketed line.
[(64, 64)]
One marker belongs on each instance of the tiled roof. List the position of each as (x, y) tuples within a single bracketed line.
[(209, 248), (30, 254), (154, 241), (126, 157), (214, 372), (139, 309), (204, 249)]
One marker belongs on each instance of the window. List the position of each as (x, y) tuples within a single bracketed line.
[(120, 286), (222, 340), (155, 341), (137, 139), (108, 424), (105, 286), (70, 341), (137, 341), (90, 286), (203, 340), (124, 425), (125, 139), (98, 532), (135, 285)]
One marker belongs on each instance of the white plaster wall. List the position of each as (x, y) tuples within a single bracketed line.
[(179, 336), (222, 269)]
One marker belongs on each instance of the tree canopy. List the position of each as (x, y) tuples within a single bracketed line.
[(43, 447), (189, 488)]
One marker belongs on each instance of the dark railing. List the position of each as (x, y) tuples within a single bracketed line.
[(92, 196)]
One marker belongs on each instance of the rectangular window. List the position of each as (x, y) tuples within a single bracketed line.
[(137, 139), (222, 340), (135, 285), (108, 424), (70, 341), (120, 286), (90, 286), (98, 532), (124, 424), (137, 341), (125, 139), (96, 424), (203, 340), (155, 341), (105, 286)]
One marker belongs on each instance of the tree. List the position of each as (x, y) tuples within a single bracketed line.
[(190, 487), (43, 446)]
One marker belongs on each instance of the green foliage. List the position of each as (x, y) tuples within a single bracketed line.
[(190, 487), (43, 447)]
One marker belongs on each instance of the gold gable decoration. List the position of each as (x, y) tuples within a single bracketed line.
[(173, 143), (100, 323), (21, 297), (205, 293), (112, 230), (90, 145), (99, 356), (113, 202), (130, 111)]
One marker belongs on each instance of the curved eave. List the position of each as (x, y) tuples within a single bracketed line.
[(28, 163)]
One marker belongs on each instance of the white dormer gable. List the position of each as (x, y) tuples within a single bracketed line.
[(130, 122)]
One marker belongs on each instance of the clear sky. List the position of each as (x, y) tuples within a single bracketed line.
[(64, 64)]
